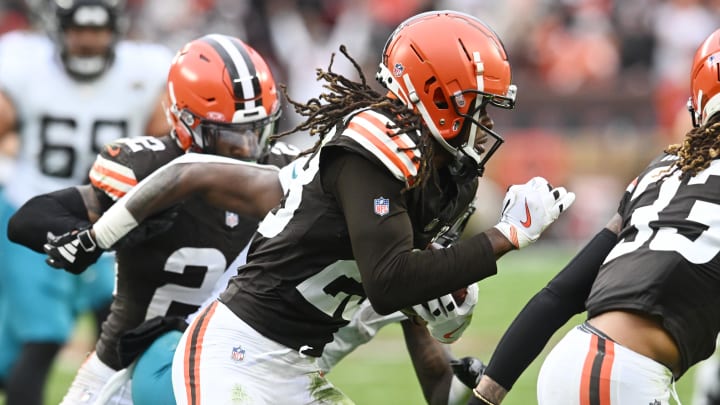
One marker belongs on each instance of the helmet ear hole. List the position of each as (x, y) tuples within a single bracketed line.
[(440, 100)]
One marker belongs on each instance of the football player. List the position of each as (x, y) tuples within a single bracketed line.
[(649, 281), (388, 174), (65, 92), (222, 101), (163, 274), (444, 379)]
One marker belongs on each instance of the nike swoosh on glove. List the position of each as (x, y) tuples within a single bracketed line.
[(528, 209), (73, 251)]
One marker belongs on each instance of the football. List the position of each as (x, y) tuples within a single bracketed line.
[(460, 295)]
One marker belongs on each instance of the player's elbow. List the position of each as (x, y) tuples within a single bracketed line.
[(23, 230), (383, 303), (15, 229)]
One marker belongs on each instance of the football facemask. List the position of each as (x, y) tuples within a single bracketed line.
[(238, 140)]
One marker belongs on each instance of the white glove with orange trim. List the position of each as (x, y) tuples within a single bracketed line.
[(447, 318), (530, 208)]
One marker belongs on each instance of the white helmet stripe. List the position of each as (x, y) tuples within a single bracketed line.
[(469, 146), (240, 68)]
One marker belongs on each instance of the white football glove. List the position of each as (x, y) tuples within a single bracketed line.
[(530, 208), (446, 320)]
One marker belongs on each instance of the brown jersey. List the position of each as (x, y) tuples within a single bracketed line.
[(308, 270), (666, 261), (172, 273)]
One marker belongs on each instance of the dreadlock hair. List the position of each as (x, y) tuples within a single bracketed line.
[(344, 96), (700, 146)]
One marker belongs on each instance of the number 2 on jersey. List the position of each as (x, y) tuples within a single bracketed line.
[(211, 262)]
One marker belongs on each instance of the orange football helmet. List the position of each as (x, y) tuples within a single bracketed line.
[(218, 84), (705, 80), (449, 66)]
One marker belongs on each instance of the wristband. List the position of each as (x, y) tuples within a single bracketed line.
[(113, 225), (482, 398)]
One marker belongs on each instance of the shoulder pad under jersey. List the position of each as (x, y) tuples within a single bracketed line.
[(376, 134), (121, 164)]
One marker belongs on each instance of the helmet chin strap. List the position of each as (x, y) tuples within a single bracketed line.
[(463, 168)]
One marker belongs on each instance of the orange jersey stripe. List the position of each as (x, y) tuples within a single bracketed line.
[(193, 352), (587, 371), (105, 171), (382, 147), (115, 193), (397, 139), (396, 152), (112, 182)]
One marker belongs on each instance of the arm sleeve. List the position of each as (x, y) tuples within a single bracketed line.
[(547, 311), (57, 212), (394, 275)]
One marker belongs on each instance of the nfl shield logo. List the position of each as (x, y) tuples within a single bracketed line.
[(381, 206), (459, 99), (398, 69), (238, 353), (231, 219)]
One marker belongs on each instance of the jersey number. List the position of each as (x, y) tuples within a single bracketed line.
[(58, 153), (208, 264), (336, 290), (696, 237)]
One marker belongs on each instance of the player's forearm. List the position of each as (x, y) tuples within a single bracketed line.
[(491, 390), (246, 189), (57, 212), (431, 361), (547, 311)]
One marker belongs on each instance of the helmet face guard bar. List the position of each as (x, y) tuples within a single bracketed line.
[(467, 157), (506, 102), (468, 163)]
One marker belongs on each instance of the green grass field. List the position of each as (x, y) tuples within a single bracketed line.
[(380, 372)]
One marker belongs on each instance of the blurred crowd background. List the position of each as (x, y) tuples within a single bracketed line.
[(602, 84)]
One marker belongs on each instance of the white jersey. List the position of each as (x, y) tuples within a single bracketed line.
[(63, 122)]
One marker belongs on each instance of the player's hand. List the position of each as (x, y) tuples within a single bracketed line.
[(73, 251), (468, 370), (528, 209), (447, 319)]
